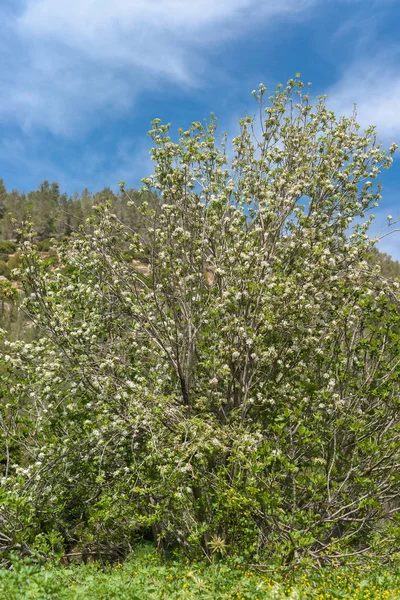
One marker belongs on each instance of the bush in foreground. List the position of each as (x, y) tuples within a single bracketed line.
[(238, 394)]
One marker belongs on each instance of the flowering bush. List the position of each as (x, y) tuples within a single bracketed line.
[(241, 392)]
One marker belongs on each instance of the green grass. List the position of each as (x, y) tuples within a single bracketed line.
[(145, 576)]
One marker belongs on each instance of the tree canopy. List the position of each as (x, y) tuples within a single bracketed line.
[(240, 394)]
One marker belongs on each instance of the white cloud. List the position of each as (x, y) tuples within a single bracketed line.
[(375, 87), (66, 62), (99, 21)]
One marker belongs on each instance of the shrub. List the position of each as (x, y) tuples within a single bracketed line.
[(4, 269), (7, 247), (14, 262), (44, 245), (242, 396)]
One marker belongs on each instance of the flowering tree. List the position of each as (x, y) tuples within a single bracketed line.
[(239, 394)]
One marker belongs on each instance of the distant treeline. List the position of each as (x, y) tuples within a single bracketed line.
[(57, 215), (390, 267)]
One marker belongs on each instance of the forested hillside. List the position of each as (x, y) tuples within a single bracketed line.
[(55, 215)]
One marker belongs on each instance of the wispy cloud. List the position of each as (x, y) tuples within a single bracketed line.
[(14, 151), (69, 62), (375, 87), (89, 167)]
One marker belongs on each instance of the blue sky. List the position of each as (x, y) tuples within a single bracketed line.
[(80, 80)]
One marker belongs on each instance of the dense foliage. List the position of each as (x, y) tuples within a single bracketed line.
[(241, 393)]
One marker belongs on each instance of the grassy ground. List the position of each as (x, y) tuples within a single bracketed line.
[(146, 577)]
